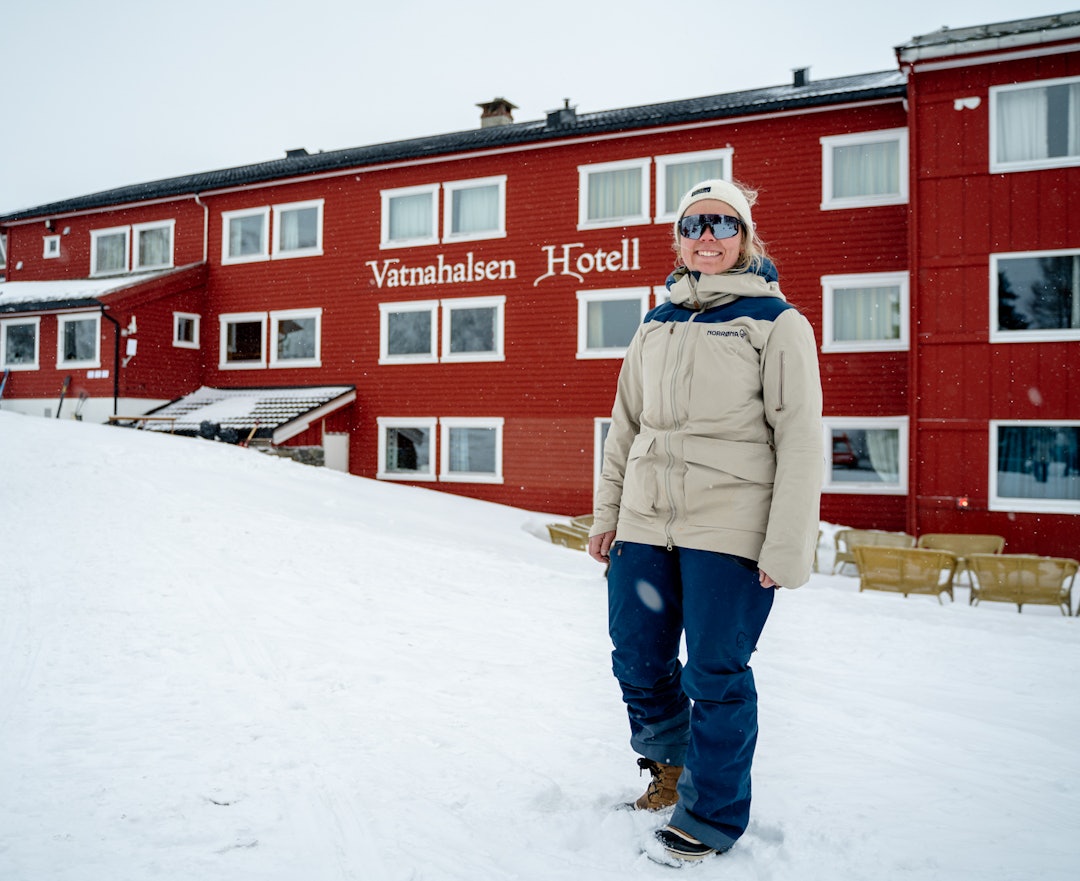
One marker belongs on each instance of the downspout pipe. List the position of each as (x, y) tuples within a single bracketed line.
[(116, 360)]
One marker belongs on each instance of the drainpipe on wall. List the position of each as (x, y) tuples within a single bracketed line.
[(205, 225), (116, 360)]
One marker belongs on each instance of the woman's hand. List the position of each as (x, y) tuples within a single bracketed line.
[(600, 546), (765, 580)]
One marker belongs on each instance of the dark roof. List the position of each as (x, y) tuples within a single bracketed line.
[(559, 124), (1004, 34)]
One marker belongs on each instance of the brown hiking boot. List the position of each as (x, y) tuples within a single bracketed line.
[(661, 792)]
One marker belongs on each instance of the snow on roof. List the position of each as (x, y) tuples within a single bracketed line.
[(15, 292), (277, 413)]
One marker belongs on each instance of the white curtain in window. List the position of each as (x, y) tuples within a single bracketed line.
[(472, 450), (155, 247), (1022, 125), (614, 194), (111, 253), (866, 169), (679, 178), (410, 217), (475, 209), (883, 444), (1074, 120), (299, 229), (866, 313), (246, 236)]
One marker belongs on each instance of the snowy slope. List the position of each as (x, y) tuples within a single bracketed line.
[(215, 664)]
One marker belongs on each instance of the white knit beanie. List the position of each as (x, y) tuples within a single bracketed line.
[(723, 191)]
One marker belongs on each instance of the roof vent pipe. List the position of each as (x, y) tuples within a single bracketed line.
[(564, 117)]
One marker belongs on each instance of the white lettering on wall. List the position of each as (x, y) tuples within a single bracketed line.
[(561, 260), (392, 273)]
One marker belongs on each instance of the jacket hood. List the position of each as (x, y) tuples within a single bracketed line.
[(692, 289)]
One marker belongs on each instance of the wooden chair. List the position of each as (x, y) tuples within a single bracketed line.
[(1023, 579), (962, 545), (905, 570), (847, 539), (569, 536)]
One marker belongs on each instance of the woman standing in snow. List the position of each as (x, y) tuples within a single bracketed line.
[(708, 500)]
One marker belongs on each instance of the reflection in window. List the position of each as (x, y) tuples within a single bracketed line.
[(1036, 466), (408, 450), (1037, 292), (867, 455), (244, 342), (19, 344)]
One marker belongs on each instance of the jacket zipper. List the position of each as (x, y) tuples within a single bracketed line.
[(675, 426)]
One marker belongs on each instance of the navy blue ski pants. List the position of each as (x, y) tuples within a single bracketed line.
[(703, 716)]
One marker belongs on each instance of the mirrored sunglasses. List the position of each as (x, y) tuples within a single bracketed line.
[(723, 226)]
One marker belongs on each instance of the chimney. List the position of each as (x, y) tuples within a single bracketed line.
[(297, 153), (496, 112), (801, 76), (564, 117)]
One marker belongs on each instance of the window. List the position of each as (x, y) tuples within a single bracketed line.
[(19, 343), (613, 194), (243, 340), (868, 455), (601, 427), (295, 336), (608, 320), (1035, 296), (153, 245), (471, 450), (1034, 466), (78, 341), (406, 449), (109, 251), (51, 247), (298, 229), (185, 330), (245, 235), (865, 313), (675, 174), (474, 209), (407, 332), (865, 169), (472, 329), (1035, 125), (410, 216), (3, 252)]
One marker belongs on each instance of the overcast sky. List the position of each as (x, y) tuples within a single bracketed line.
[(104, 93)]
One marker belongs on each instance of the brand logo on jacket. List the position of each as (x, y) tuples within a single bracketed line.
[(740, 333), (561, 260)]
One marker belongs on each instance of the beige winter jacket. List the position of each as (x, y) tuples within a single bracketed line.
[(716, 436)]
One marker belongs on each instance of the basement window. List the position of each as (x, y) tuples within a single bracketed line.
[(1035, 466), (868, 456), (406, 448), (78, 341), (471, 450), (19, 343)]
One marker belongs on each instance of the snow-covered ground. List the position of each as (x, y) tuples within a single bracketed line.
[(215, 664)]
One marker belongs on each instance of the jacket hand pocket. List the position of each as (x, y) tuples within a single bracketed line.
[(728, 484), (639, 482)]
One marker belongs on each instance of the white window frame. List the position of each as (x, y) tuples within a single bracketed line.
[(34, 321), (138, 228), (61, 322), (996, 502), (497, 304), (227, 318), (452, 187), (831, 283), (725, 154), (584, 298), (388, 309), (50, 247), (900, 423), (96, 234), (3, 252), (284, 314), (278, 252), (388, 197), (1047, 335), (227, 217), (385, 422), (196, 320), (640, 217), (997, 166), (446, 426), (829, 143)]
